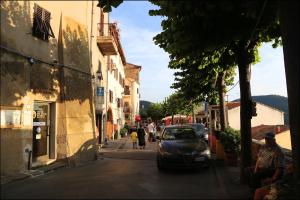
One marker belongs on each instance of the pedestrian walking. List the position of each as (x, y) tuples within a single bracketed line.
[(150, 131), (141, 137), (133, 137)]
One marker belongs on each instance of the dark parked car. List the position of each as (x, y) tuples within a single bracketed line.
[(180, 146), (201, 130)]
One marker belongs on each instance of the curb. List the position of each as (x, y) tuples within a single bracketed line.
[(34, 173)]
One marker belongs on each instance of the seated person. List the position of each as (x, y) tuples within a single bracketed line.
[(280, 189), (269, 165)]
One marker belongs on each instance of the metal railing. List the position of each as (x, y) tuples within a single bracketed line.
[(108, 29)]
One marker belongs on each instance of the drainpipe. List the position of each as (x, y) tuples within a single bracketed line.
[(29, 158)]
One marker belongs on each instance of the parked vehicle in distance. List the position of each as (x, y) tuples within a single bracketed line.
[(179, 146)]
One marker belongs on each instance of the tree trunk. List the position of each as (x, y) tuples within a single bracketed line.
[(289, 21), (245, 113), (221, 88)]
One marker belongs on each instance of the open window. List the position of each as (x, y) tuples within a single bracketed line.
[(41, 23)]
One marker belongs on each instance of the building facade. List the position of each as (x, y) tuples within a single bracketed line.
[(132, 93), (109, 43), (265, 115), (53, 82)]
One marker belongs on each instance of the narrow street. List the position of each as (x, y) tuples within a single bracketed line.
[(123, 173)]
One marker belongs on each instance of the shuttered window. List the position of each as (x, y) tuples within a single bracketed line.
[(41, 23), (111, 96)]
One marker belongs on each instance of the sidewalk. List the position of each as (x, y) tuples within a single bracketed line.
[(34, 172), (229, 181), (114, 144)]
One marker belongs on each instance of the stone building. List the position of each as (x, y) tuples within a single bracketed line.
[(132, 93), (51, 72)]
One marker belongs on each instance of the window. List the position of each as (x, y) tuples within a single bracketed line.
[(116, 73), (41, 23), (127, 91), (120, 79), (127, 116), (101, 30), (99, 71), (126, 104), (111, 96), (118, 102), (110, 68)]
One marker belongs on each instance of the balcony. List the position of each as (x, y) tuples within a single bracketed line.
[(107, 39), (127, 109)]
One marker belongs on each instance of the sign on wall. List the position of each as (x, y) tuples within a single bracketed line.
[(100, 91), (10, 117)]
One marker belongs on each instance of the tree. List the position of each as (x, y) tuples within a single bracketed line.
[(176, 103), (208, 26), (155, 111), (197, 80), (265, 28)]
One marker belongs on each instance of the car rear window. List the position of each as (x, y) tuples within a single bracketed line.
[(179, 134)]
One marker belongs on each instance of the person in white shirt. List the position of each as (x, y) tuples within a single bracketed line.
[(150, 131)]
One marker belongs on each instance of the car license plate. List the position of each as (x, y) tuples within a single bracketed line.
[(199, 159)]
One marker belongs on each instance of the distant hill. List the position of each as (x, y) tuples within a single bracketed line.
[(275, 101), (144, 105)]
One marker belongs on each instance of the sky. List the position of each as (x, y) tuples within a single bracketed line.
[(137, 30)]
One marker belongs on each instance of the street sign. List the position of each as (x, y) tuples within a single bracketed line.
[(100, 91)]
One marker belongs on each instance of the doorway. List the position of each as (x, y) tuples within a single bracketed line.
[(109, 124), (99, 127), (41, 132)]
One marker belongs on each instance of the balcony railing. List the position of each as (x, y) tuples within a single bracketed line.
[(108, 38)]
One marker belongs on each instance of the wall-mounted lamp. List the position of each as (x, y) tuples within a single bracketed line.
[(31, 60)]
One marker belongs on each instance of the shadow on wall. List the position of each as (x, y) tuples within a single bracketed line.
[(20, 77), (41, 78), (85, 153), (76, 54), (16, 71)]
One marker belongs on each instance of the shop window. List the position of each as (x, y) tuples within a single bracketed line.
[(41, 23)]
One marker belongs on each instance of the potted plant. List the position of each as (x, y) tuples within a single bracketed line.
[(231, 141), (123, 132)]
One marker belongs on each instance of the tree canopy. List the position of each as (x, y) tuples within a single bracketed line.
[(231, 30)]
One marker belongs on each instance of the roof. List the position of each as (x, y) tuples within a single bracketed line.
[(258, 132), (175, 116), (230, 105), (235, 104)]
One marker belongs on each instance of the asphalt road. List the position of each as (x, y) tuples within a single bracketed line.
[(119, 174)]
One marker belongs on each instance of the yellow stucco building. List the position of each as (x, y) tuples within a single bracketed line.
[(53, 82)]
